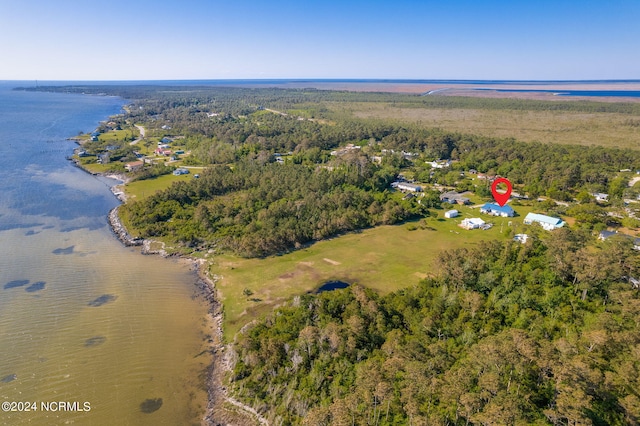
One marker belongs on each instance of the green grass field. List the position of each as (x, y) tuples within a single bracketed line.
[(563, 127), (140, 189), (385, 258), (118, 135)]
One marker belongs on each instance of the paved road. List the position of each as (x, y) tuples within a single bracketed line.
[(142, 133)]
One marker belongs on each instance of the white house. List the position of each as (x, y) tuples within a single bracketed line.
[(438, 164), (404, 186), (472, 223), (451, 214), (600, 197), (548, 223)]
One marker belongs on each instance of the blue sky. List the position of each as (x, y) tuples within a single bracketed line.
[(400, 39)]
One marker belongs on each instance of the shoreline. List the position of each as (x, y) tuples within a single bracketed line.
[(216, 392)]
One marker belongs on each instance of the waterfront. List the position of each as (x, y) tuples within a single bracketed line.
[(83, 318)]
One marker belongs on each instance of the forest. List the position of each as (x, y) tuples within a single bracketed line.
[(261, 209), (542, 333)]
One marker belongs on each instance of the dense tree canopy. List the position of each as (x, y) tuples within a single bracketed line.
[(258, 209), (506, 334)]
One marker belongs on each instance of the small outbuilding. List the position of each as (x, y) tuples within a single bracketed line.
[(451, 214), (521, 238)]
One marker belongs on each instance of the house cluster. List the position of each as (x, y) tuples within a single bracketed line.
[(547, 222), (163, 149)]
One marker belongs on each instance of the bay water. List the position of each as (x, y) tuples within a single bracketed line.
[(91, 332)]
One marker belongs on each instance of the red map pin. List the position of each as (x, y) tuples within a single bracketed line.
[(501, 199)]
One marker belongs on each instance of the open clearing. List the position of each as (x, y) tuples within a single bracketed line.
[(140, 189), (385, 258)]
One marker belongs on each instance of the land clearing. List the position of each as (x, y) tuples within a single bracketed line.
[(141, 189), (385, 259)]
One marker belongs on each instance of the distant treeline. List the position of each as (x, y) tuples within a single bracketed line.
[(285, 98)]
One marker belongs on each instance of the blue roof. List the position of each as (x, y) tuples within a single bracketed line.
[(496, 208)]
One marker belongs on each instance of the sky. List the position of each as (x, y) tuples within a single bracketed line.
[(330, 39)]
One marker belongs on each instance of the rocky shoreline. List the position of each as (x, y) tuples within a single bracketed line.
[(120, 231)]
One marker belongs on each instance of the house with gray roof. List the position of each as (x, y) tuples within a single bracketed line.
[(453, 197)]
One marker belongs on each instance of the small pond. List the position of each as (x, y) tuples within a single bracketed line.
[(331, 285)]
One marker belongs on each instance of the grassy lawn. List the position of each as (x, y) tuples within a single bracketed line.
[(101, 168), (385, 259), (564, 127), (143, 188), (118, 135)]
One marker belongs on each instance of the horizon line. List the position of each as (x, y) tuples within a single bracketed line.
[(350, 80)]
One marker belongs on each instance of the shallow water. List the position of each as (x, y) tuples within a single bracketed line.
[(82, 318)]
